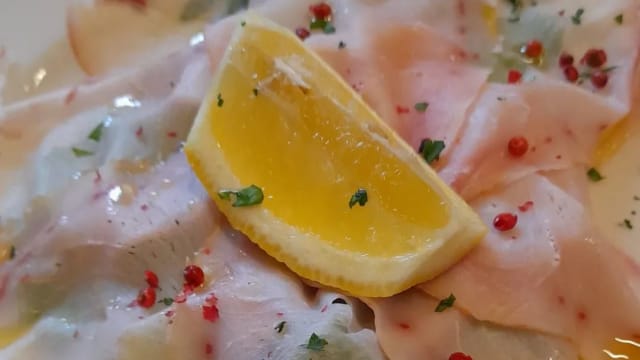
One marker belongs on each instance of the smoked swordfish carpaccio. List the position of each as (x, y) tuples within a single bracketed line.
[(96, 192)]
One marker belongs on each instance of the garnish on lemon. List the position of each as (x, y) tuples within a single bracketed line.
[(343, 200)]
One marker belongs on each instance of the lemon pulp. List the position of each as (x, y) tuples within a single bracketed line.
[(272, 148)]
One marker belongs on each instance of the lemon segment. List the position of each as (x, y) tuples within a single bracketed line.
[(278, 117)]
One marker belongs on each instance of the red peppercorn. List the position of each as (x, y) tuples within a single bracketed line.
[(518, 146), (151, 278), (571, 73), (594, 58), (210, 312), (402, 109), (193, 276), (526, 206), (533, 49), (599, 79), (321, 11), (505, 221), (565, 60), (459, 356), (147, 297), (514, 76), (302, 33)]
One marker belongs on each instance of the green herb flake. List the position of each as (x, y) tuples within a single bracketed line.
[(251, 195), (316, 343), (627, 223), (360, 197), (81, 152), (329, 28), (576, 18), (220, 100), (431, 149), (587, 75), (342, 45), (318, 24), (421, 106), (619, 19), (255, 91), (167, 301), (12, 252), (96, 133), (243, 23), (280, 327), (594, 175), (446, 303)]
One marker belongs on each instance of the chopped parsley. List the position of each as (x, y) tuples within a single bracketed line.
[(576, 18), (96, 133), (360, 197), (431, 149), (243, 23), (594, 175), (255, 91), (446, 303), (220, 100), (342, 45), (619, 19), (329, 29), (12, 252), (167, 301), (324, 25), (587, 75), (81, 152), (251, 195), (316, 343), (627, 223), (318, 24), (280, 327), (421, 106)]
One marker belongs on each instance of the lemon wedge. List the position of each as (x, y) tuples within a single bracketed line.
[(300, 164)]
